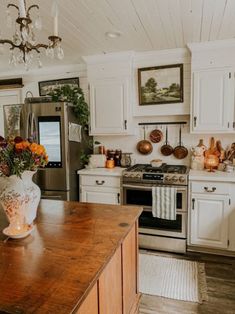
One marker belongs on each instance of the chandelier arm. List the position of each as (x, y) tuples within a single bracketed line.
[(13, 5), (31, 7), (8, 41)]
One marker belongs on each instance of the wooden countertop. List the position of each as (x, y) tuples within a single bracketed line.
[(53, 269)]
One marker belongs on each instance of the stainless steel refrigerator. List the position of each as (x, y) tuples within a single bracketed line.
[(50, 124)]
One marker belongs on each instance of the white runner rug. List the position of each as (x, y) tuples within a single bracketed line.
[(172, 278)]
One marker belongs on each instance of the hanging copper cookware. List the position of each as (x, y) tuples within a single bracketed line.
[(156, 136), (166, 149), (144, 146), (180, 152)]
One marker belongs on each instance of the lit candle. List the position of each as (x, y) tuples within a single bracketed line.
[(22, 8)]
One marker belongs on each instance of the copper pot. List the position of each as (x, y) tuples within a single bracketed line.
[(144, 146)]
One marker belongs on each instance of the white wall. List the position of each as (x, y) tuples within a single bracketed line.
[(149, 113), (157, 113)]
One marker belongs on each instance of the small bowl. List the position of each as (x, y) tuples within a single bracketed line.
[(156, 163)]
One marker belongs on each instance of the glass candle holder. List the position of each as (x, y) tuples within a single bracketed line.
[(211, 162)]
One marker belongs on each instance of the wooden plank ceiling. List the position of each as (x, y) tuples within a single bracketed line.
[(144, 24)]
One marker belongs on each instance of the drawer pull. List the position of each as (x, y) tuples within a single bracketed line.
[(208, 190), (99, 182)]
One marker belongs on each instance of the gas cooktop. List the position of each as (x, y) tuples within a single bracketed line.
[(166, 174)]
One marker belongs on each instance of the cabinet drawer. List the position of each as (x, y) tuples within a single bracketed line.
[(105, 181), (208, 187)]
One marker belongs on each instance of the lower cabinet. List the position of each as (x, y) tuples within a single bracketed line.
[(90, 305), (209, 220), (116, 291), (100, 195)]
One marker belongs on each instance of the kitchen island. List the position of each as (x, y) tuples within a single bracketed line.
[(80, 258)]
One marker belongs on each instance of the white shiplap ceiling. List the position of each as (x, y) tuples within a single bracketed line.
[(144, 24)]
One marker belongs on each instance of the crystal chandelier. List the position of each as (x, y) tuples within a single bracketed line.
[(23, 43)]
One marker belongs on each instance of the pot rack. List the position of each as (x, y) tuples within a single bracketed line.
[(163, 123)]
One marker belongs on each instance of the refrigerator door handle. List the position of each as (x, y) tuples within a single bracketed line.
[(27, 125), (34, 132)]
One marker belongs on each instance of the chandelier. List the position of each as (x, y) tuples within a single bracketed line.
[(23, 44)]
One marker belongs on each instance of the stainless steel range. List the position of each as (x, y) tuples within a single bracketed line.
[(155, 233)]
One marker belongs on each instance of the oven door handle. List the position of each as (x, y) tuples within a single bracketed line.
[(142, 187)]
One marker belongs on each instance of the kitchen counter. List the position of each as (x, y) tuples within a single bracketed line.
[(117, 171), (211, 176), (54, 269)]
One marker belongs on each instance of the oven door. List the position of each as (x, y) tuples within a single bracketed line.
[(134, 194), (142, 195)]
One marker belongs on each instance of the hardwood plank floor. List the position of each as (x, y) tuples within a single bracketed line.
[(220, 277)]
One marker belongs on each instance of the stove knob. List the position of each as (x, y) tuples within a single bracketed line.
[(182, 179), (138, 176), (133, 175), (167, 178), (126, 175), (174, 179)]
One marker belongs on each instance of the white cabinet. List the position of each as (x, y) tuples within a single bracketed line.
[(110, 78), (109, 106), (8, 97), (100, 195), (212, 101), (209, 220), (100, 185)]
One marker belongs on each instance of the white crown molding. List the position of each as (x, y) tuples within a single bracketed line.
[(179, 52), (211, 45), (109, 57), (65, 69)]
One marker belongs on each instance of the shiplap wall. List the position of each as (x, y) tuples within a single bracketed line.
[(149, 113)]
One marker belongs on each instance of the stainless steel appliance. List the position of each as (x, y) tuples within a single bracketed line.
[(49, 124), (155, 233)]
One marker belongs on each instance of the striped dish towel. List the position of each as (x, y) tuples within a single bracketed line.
[(164, 202)]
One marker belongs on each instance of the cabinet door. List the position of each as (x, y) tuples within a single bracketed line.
[(110, 286), (212, 101), (7, 97), (108, 104), (90, 304), (100, 195), (130, 270), (209, 220)]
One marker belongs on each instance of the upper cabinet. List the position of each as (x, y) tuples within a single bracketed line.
[(212, 87), (212, 101), (110, 80)]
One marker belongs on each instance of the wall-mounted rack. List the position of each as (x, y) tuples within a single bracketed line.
[(163, 123)]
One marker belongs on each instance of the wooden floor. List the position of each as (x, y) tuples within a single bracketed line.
[(220, 277)]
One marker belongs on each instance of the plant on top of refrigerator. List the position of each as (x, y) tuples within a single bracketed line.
[(18, 155), (75, 96)]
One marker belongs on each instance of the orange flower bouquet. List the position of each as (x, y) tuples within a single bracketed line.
[(19, 195), (18, 155)]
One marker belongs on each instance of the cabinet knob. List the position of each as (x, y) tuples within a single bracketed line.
[(118, 198), (99, 182), (125, 124), (213, 189)]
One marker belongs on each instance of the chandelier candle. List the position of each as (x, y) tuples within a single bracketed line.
[(22, 8)]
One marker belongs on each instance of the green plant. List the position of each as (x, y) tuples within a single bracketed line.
[(85, 157), (75, 96)]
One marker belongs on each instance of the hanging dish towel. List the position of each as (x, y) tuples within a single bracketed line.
[(75, 134), (164, 202)]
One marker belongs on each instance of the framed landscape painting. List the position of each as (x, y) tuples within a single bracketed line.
[(46, 87), (161, 84)]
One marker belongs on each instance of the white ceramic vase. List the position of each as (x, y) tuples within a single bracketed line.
[(19, 198)]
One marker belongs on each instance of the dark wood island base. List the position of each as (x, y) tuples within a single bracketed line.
[(81, 258)]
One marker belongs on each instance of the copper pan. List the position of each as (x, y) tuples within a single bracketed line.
[(144, 146)]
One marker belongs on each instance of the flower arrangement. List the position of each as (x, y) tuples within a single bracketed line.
[(18, 155)]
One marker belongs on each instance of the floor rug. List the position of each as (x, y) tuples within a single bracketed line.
[(172, 278)]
